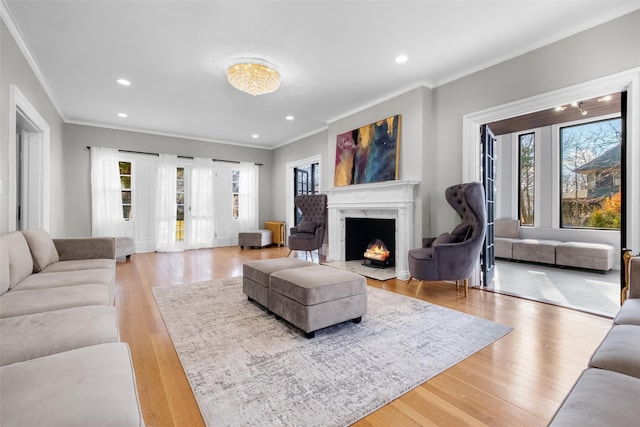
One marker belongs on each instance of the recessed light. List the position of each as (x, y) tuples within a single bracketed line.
[(124, 82), (123, 115), (401, 59), (289, 117), (255, 135), (605, 98)]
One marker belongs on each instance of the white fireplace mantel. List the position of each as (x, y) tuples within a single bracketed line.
[(387, 200)]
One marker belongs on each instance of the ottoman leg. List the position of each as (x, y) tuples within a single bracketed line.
[(357, 319), (310, 334)]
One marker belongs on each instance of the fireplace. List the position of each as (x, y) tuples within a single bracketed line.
[(372, 235), (393, 200)]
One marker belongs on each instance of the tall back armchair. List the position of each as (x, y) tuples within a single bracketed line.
[(453, 256), (309, 234)]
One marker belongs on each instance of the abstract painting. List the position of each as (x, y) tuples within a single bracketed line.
[(368, 154)]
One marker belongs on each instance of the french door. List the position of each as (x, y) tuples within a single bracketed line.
[(488, 142), (305, 181)]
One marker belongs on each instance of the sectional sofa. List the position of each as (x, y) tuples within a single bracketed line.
[(608, 391), (61, 361), (508, 245)]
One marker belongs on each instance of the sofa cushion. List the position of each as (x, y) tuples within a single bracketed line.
[(307, 227), (629, 313), (92, 386), (505, 227), (20, 261), (43, 250), (81, 264), (41, 334), (442, 238), (619, 351), (4, 268), (18, 303), (66, 278), (600, 398)]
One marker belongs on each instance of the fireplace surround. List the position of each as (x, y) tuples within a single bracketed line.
[(381, 200)]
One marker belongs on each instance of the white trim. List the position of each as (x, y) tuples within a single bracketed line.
[(289, 186), (40, 138), (628, 80), (9, 21)]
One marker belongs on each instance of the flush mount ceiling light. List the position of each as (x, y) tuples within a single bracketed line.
[(253, 76), (577, 105)]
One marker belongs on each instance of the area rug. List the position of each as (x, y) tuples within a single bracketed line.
[(247, 368), (356, 266)]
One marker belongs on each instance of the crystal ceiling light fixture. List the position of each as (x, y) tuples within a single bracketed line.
[(254, 76)]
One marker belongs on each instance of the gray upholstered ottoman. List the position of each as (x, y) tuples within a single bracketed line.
[(255, 280), (313, 298), (257, 238), (535, 250), (594, 256), (124, 247)]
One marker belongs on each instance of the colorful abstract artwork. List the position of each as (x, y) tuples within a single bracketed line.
[(368, 154)]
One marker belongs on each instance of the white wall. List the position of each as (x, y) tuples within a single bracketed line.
[(14, 70)]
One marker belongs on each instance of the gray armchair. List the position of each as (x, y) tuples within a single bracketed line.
[(309, 234), (453, 256)]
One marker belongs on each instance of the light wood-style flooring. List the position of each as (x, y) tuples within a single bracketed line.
[(519, 380)]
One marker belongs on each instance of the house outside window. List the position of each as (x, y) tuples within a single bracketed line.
[(235, 193), (526, 178), (126, 190), (590, 175)]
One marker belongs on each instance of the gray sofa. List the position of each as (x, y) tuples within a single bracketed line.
[(61, 362), (608, 391), (508, 245)]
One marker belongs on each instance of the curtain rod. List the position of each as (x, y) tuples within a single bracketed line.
[(180, 157)]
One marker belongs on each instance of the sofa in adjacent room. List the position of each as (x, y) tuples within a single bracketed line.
[(61, 359)]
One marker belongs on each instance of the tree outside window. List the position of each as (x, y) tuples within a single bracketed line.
[(526, 150), (179, 204), (591, 175), (126, 190), (235, 193)]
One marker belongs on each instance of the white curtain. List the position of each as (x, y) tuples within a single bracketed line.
[(200, 227), (248, 197), (166, 204), (106, 198)]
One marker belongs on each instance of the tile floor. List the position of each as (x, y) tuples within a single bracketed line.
[(582, 290)]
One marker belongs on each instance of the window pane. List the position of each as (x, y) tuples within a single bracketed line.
[(590, 181), (180, 198), (235, 187), (180, 212), (125, 182), (125, 185), (126, 211), (180, 186), (125, 168), (235, 206), (180, 173), (126, 197), (526, 144)]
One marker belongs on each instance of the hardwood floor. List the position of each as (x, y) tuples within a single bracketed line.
[(519, 380)]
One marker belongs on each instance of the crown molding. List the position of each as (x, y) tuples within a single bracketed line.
[(9, 21)]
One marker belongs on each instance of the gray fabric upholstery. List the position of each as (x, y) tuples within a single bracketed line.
[(125, 247), (85, 248), (256, 274), (313, 298), (19, 303), (5, 278), (595, 256), (92, 386), (600, 398), (535, 250), (20, 260), (67, 278), (503, 247), (81, 264), (619, 351), (314, 209), (629, 313), (634, 277), (506, 227), (454, 261), (43, 250), (258, 238), (37, 335)]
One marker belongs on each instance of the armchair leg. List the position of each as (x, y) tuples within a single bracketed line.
[(419, 288), (466, 285), (457, 285), (410, 279), (311, 255), (290, 250)]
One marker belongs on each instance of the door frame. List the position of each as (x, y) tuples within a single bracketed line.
[(37, 160), (628, 80)]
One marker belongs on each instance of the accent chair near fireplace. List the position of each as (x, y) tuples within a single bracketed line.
[(453, 256), (309, 234)]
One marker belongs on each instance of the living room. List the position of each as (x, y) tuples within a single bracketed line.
[(438, 149)]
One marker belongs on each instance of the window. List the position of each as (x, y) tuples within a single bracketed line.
[(235, 192), (526, 177), (590, 175), (306, 181), (125, 190), (179, 204)]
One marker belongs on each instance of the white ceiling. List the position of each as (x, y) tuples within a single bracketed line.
[(335, 57)]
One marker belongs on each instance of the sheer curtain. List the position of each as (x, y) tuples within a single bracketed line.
[(106, 199), (200, 227), (248, 197), (166, 204)]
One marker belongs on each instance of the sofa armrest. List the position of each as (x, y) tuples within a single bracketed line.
[(634, 277), (85, 248)]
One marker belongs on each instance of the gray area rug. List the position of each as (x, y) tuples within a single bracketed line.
[(356, 266), (248, 369)]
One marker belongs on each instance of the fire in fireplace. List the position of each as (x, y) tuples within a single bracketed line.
[(377, 254)]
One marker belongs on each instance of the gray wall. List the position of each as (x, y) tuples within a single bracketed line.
[(14, 70), (77, 176)]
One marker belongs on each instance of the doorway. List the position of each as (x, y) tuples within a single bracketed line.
[(300, 170), (29, 163)]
